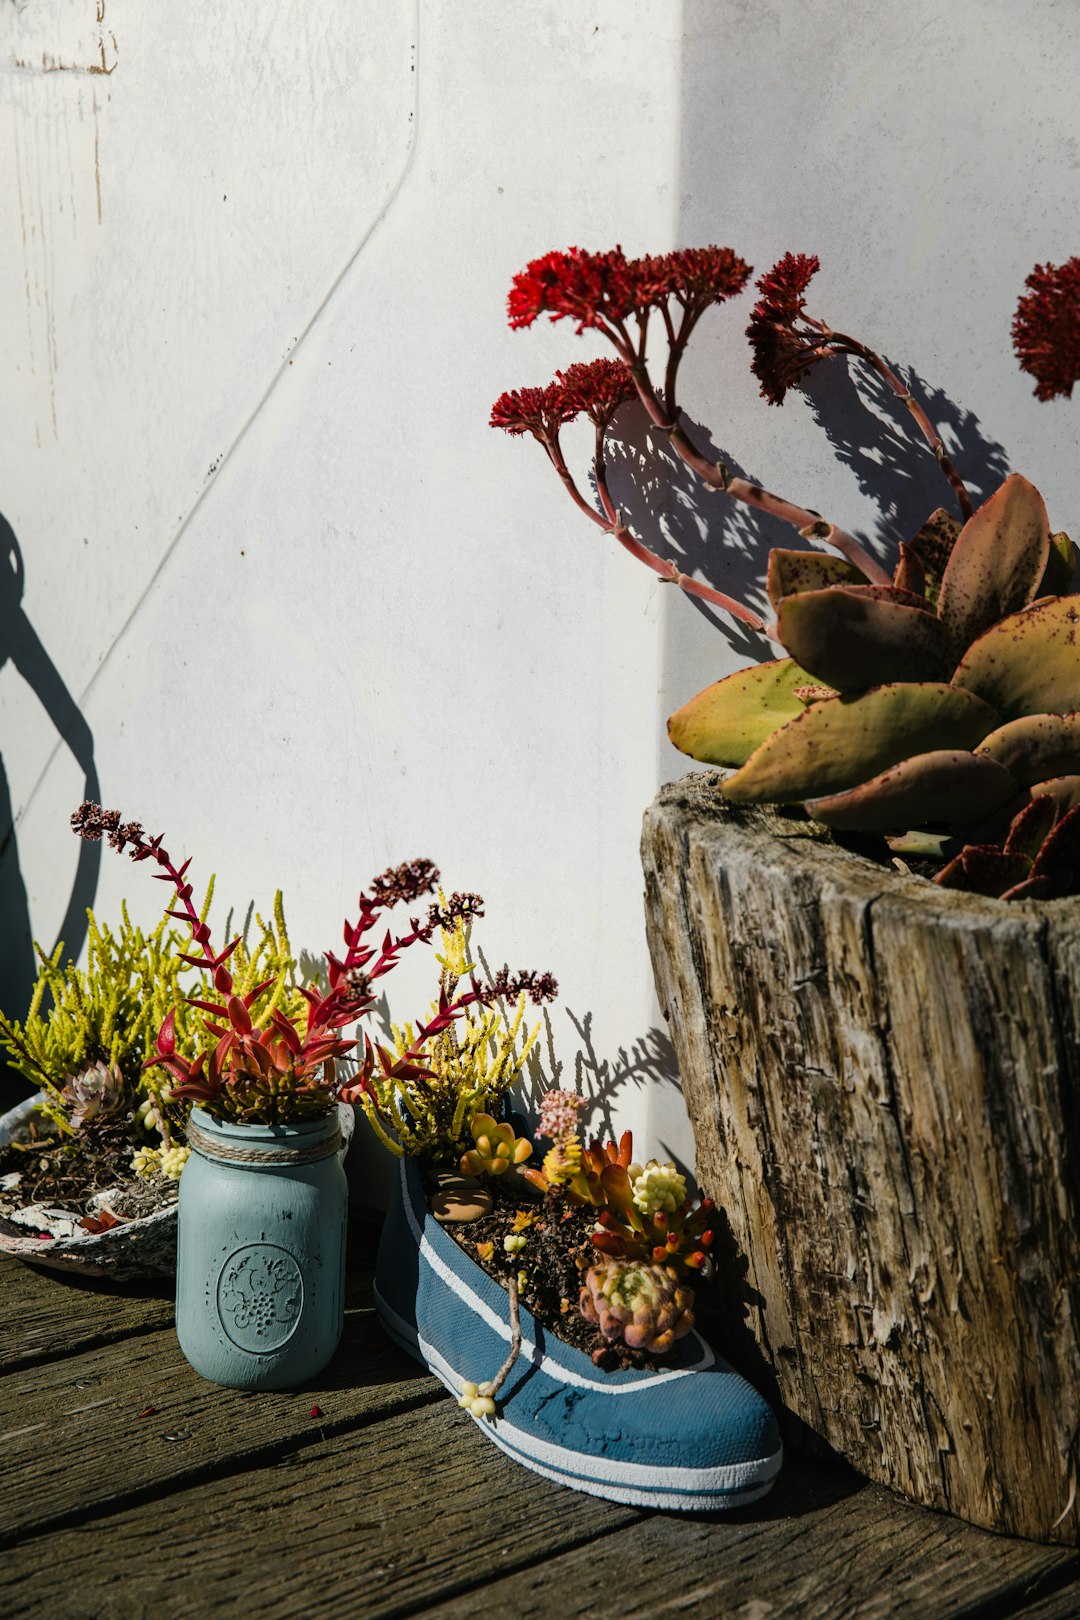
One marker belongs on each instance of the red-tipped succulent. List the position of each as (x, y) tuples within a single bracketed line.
[(277, 1072)]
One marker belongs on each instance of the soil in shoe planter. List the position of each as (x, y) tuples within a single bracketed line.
[(558, 1251)]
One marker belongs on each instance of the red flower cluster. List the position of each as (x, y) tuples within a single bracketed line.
[(703, 276), (603, 289), (1046, 328), (529, 410), (781, 354), (590, 288), (595, 387)]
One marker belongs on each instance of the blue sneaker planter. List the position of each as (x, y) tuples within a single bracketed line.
[(260, 1271), (692, 1438)]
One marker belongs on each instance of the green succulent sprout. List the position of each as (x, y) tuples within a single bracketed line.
[(88, 1031), (469, 1067), (495, 1148)]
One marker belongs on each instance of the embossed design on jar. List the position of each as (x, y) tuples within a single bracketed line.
[(260, 1295)]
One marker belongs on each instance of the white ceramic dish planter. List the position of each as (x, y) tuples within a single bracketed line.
[(136, 1249)]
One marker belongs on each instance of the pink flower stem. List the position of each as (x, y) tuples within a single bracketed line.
[(659, 565), (811, 525)]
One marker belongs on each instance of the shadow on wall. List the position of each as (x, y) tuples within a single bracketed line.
[(20, 644), (872, 433), (727, 543), (647, 1064)]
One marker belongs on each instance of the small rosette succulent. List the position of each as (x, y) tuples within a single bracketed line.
[(495, 1148), (644, 1307), (658, 1187), (96, 1092), (940, 699)]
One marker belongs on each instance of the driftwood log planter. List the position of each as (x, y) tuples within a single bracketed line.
[(884, 1083)]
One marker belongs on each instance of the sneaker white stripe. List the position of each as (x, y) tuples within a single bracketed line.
[(641, 1484)]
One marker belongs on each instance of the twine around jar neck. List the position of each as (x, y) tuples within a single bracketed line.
[(211, 1147)]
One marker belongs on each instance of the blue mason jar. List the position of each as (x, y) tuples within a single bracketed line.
[(260, 1266)]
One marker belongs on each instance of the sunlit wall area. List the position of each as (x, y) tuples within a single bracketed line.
[(271, 583)]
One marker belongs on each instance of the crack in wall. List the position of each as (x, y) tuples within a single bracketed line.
[(253, 416)]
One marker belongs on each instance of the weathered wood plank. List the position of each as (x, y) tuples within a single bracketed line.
[(73, 1440), (374, 1523), (45, 1314), (884, 1080), (48, 1314), (864, 1556)]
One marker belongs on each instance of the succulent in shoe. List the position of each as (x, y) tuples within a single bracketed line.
[(495, 1147), (644, 1307)]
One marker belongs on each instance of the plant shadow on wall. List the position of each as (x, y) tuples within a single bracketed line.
[(22, 647), (727, 543), (869, 430)]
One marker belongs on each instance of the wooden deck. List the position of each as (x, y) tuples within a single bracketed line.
[(134, 1488)]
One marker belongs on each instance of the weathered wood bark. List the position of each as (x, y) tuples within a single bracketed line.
[(884, 1082)]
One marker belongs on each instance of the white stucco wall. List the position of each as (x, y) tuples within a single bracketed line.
[(317, 615)]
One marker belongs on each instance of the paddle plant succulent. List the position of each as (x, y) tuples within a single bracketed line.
[(937, 696), (263, 1066)]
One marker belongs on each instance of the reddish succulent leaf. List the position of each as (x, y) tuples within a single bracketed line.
[(945, 786), (286, 1031), (856, 636), (1059, 858), (1065, 791), (790, 572), (983, 869), (1032, 826), (618, 1188), (838, 744), (910, 575), (239, 1017), (997, 562), (253, 995), (1029, 663), (1036, 746), (166, 1037), (214, 1008), (933, 545)]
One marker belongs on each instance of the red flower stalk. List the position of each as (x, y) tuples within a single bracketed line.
[(787, 342), (782, 354), (603, 291), (282, 1073), (1046, 328)]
